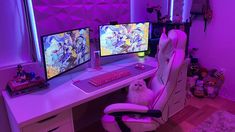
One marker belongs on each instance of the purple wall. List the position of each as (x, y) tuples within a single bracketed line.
[(216, 45), (138, 10), (56, 16)]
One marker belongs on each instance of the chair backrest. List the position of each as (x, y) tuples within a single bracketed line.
[(165, 51), (171, 57)]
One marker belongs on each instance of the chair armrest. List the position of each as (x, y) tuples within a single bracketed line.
[(121, 109)]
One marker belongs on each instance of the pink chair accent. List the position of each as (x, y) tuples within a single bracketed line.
[(168, 84)]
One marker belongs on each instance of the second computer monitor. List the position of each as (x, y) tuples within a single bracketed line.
[(123, 38)]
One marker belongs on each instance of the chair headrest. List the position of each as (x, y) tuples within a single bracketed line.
[(178, 38), (165, 48)]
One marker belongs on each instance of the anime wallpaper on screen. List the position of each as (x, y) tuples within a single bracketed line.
[(123, 38), (66, 50)]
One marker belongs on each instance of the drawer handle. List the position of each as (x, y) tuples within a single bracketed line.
[(53, 129), (47, 119)]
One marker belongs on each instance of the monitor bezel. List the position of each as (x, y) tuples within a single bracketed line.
[(43, 53), (127, 52)]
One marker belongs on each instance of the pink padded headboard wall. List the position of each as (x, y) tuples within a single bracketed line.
[(60, 15)]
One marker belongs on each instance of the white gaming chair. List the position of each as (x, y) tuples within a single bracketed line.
[(168, 84)]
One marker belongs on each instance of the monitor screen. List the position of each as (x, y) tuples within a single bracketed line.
[(65, 51), (123, 38)]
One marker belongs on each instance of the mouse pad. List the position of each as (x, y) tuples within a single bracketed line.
[(88, 87)]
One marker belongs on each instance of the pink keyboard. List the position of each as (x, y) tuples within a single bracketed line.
[(108, 77)]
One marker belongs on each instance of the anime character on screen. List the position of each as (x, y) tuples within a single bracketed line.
[(139, 38), (136, 40), (118, 39), (64, 51), (81, 49), (114, 39), (108, 39)]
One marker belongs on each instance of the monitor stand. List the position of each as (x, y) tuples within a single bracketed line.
[(97, 60)]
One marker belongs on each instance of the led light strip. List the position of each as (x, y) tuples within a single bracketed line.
[(172, 10), (185, 13)]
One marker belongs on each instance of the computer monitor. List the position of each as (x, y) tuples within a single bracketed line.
[(65, 50), (123, 38)]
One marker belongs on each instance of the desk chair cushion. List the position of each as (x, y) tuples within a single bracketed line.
[(135, 117), (136, 125), (125, 107)]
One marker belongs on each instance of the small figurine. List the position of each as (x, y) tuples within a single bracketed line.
[(21, 74), (211, 90), (194, 68), (213, 82), (199, 89), (204, 73), (31, 76)]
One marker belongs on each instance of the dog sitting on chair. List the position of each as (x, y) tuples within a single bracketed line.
[(139, 93)]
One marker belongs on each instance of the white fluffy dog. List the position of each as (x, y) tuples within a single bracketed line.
[(139, 93)]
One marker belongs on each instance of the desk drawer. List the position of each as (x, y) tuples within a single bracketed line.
[(67, 127), (55, 123)]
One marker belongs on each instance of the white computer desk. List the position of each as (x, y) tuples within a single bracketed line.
[(27, 112)]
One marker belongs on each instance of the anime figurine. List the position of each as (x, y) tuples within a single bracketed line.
[(203, 73), (21, 74), (199, 89), (194, 68), (210, 87)]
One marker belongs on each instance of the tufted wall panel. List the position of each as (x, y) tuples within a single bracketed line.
[(60, 15)]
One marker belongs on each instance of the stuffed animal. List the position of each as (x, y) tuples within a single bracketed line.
[(139, 93), (213, 82), (194, 68), (199, 89), (209, 85), (203, 73), (219, 75)]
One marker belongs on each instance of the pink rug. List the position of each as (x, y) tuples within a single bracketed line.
[(220, 121)]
